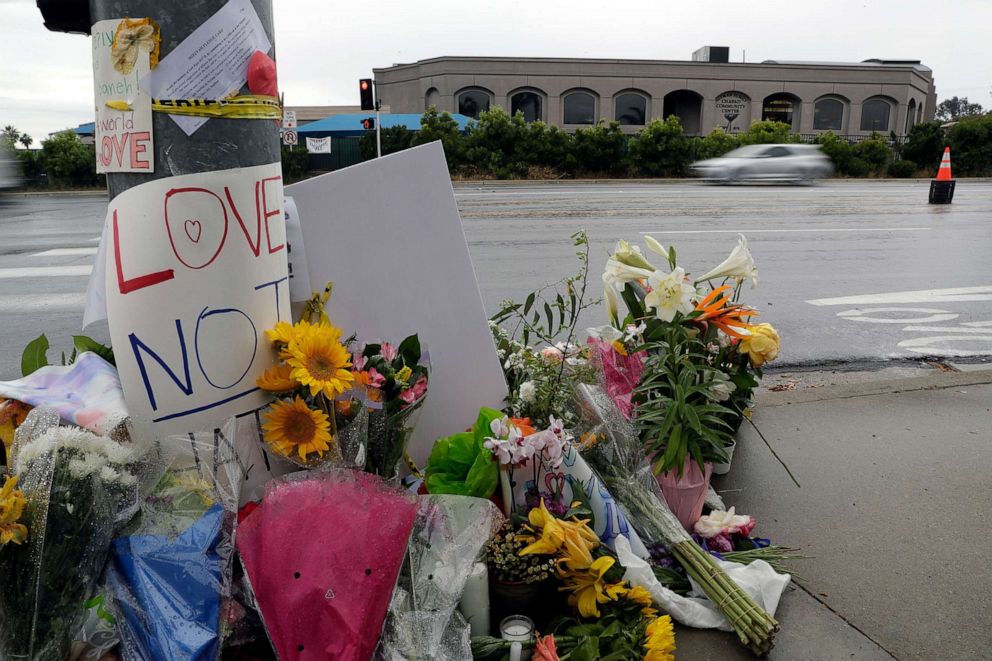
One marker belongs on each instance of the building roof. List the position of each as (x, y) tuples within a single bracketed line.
[(351, 124), (313, 113), (85, 129)]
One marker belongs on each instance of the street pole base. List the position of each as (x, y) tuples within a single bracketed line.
[(941, 192)]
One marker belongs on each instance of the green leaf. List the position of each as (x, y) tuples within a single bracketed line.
[(671, 257), (529, 302), (35, 355), (551, 319), (83, 343), (410, 349), (587, 650)]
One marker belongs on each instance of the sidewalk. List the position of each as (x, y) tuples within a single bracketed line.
[(895, 507)]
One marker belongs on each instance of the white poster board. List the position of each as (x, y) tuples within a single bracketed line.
[(195, 274), (124, 140), (388, 234), (319, 145)]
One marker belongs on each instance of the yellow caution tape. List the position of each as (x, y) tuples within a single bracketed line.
[(235, 107)]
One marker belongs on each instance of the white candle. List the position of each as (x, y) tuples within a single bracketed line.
[(474, 604), (517, 628)]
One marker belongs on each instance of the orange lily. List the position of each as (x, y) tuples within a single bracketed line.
[(728, 318)]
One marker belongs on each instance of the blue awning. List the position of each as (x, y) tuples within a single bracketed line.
[(351, 124)]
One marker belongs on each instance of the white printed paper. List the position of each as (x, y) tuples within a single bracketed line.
[(388, 235), (319, 145), (212, 62), (299, 278), (124, 140), (195, 275)]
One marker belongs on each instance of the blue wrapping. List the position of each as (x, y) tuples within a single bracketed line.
[(168, 592)]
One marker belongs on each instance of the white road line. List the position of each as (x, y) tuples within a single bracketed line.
[(958, 294), (95, 240), (66, 252), (947, 329), (46, 272), (25, 303), (925, 345), (811, 229), (977, 324)]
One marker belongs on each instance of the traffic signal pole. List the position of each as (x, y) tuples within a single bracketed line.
[(378, 133)]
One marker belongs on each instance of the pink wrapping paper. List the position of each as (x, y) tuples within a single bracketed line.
[(621, 374), (322, 553)]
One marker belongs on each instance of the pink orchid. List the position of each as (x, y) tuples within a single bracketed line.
[(376, 380), (388, 351), (358, 361), (415, 392)]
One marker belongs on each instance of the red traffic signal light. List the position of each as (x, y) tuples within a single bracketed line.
[(368, 123), (366, 93)]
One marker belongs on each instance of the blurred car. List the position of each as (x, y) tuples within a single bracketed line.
[(803, 163), (10, 169)]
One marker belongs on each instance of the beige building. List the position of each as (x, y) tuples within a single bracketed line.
[(851, 99)]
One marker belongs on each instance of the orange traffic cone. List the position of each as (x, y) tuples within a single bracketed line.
[(942, 188), (944, 173)]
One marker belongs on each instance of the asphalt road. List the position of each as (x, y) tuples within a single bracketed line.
[(849, 270)]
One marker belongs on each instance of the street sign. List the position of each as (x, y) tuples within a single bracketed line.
[(289, 119), (290, 138)]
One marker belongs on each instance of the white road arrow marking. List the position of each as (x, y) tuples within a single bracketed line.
[(861, 315), (939, 344), (954, 295)]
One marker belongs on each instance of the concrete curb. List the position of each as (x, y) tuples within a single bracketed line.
[(937, 381), (55, 193)]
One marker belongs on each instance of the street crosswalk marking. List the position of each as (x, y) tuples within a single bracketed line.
[(953, 295), (42, 302), (71, 271), (66, 252), (812, 230)]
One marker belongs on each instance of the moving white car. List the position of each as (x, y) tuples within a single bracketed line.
[(792, 162)]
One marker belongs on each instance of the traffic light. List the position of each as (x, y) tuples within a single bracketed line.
[(366, 93), (368, 123)]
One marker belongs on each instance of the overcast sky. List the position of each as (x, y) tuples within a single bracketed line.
[(324, 46)]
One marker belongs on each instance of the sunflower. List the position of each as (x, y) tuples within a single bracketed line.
[(321, 362), (12, 504), (640, 596), (293, 426), (659, 640), (278, 379)]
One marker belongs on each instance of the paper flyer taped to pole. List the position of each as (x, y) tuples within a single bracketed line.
[(212, 62), (123, 137), (196, 272)]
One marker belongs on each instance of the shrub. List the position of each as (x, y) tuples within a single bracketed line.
[(661, 149), (394, 139), (295, 163), (970, 141), (764, 133), (924, 145), (492, 143), (441, 126), (902, 169), (717, 143), (857, 167), (875, 152), (68, 162), (837, 149), (601, 149)]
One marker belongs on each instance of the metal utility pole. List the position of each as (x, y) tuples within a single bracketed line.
[(378, 129), (220, 143)]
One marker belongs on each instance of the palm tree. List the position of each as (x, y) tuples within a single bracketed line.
[(26, 140), (11, 134)]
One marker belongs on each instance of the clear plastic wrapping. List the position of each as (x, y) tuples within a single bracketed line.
[(78, 488), (170, 572), (448, 536)]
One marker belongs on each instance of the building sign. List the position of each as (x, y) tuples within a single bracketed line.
[(732, 109)]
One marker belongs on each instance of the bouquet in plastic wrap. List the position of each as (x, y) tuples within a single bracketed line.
[(170, 572), (58, 514), (395, 378), (612, 448), (448, 536), (323, 590)]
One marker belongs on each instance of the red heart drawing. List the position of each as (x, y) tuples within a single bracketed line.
[(555, 482), (191, 227)]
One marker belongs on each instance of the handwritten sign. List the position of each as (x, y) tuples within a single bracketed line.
[(319, 145), (195, 273), (124, 140)]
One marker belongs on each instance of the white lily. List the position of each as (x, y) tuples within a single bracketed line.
[(612, 304), (617, 273), (630, 255), (655, 246), (670, 293), (607, 333), (721, 386), (738, 265)]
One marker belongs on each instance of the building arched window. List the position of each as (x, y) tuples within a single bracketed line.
[(631, 109), (687, 105), (875, 115), (431, 99), (472, 102), (911, 115), (781, 107), (828, 115), (919, 113), (579, 108), (530, 103)]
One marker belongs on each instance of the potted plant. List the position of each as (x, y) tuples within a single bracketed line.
[(516, 583)]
